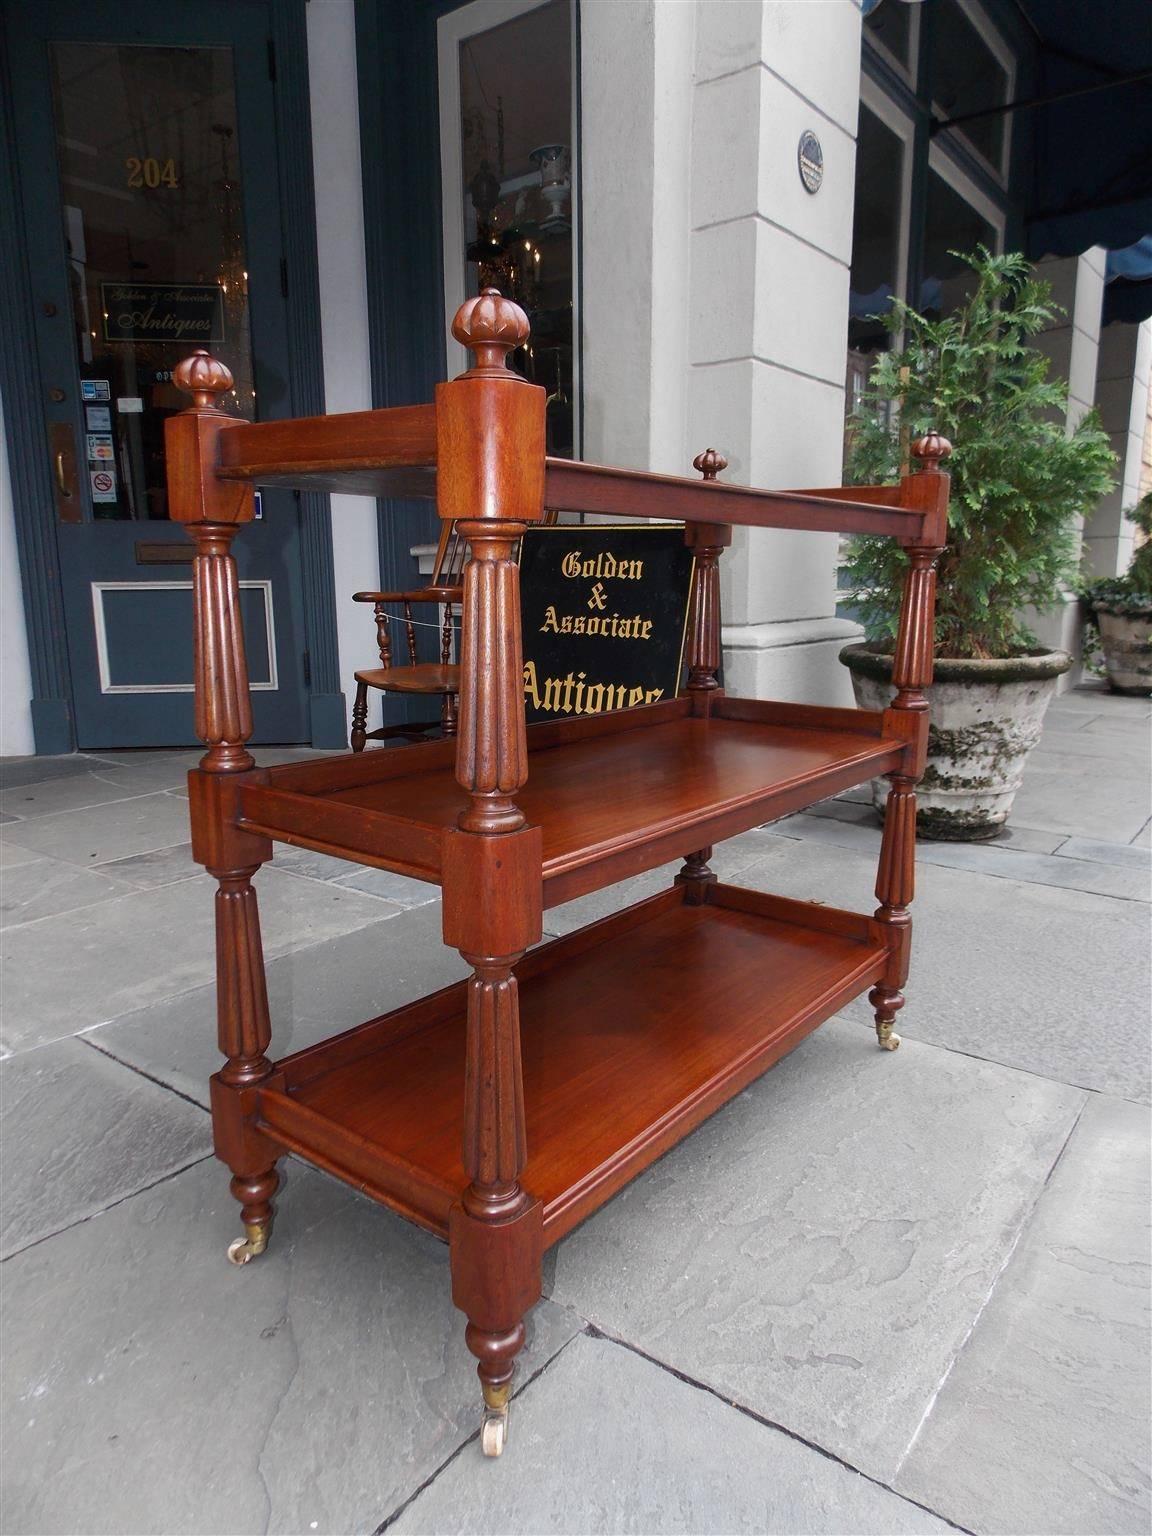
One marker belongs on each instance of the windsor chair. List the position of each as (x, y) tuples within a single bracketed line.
[(411, 675)]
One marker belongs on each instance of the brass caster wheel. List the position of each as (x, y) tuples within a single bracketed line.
[(494, 1432), (890, 1042), (251, 1246)]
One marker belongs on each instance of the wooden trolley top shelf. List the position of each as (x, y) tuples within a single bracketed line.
[(393, 453), (613, 795), (632, 1031)]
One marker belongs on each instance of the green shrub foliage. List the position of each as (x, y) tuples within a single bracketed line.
[(1018, 481), (1131, 594)]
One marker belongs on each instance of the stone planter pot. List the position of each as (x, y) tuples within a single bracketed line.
[(1126, 640), (984, 718)]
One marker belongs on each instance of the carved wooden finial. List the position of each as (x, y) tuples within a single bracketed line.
[(710, 463), (491, 326), (204, 378), (931, 450)]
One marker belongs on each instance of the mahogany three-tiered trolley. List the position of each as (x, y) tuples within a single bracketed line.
[(500, 1112)]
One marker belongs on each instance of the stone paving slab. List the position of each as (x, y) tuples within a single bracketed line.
[(1124, 855), (312, 994), (159, 866), (65, 974), (47, 887), (11, 856), (1112, 742), (1050, 981), (1027, 840), (819, 1250), (17, 771), (1066, 793), (151, 1386), (78, 1133), (1099, 700), (1126, 875), (605, 1442), (84, 791), (97, 834), (401, 889), (1043, 1424), (1106, 728)]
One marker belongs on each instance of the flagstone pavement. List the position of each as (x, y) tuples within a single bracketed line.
[(875, 1293)]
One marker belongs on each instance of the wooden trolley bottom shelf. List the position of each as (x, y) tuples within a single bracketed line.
[(633, 1031)]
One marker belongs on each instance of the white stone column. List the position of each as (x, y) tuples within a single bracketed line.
[(16, 736), (769, 315), (343, 308), (636, 69), (1071, 345), (1122, 380), (715, 287)]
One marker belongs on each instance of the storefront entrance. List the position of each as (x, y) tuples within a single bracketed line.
[(148, 183)]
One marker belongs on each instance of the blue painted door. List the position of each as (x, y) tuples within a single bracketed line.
[(149, 186)]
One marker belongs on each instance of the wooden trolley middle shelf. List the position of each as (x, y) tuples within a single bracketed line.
[(613, 794), (633, 1031)]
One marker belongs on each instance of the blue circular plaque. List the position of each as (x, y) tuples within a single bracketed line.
[(810, 158)]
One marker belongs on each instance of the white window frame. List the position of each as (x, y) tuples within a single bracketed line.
[(881, 105), (962, 184), (996, 45), (451, 31), (907, 72)]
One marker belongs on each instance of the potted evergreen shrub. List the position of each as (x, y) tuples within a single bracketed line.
[(1019, 482), (1121, 608)]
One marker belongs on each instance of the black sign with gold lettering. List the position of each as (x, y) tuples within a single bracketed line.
[(181, 312), (604, 612)]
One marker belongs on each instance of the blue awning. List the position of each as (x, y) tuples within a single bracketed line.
[(1128, 283), (1091, 181)]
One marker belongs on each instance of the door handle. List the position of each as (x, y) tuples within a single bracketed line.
[(62, 446)]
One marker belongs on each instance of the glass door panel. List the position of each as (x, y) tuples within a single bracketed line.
[(146, 143), (146, 240), (509, 181)]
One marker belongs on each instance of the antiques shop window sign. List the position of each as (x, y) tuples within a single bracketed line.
[(604, 612), (179, 312)]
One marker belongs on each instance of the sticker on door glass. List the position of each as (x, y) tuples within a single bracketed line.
[(103, 484), (100, 450), (95, 389), (98, 418), (163, 311)]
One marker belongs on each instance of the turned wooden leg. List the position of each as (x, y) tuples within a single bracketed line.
[(696, 876), (887, 1002), (496, 1231), (359, 718), (894, 889), (254, 1192), (448, 711), (245, 1034)]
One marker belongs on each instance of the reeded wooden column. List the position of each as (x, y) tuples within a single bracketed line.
[(211, 511), (707, 542), (223, 705), (490, 481), (908, 716), (492, 753)]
